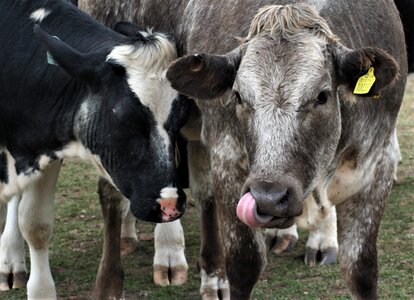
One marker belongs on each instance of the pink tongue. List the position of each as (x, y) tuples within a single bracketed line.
[(247, 212)]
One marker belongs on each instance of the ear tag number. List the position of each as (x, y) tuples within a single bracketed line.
[(50, 59), (365, 82)]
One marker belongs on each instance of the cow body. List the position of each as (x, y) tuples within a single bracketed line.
[(85, 92), (280, 122)]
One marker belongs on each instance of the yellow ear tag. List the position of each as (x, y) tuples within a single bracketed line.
[(365, 82)]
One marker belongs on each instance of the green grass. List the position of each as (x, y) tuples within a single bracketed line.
[(77, 242)]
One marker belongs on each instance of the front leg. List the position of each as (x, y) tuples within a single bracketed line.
[(36, 224), (358, 222), (110, 278), (214, 283), (244, 247), (170, 264)]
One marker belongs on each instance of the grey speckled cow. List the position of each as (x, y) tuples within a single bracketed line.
[(280, 123)]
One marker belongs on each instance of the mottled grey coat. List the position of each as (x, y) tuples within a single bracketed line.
[(280, 122)]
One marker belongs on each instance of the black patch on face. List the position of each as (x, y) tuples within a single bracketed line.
[(4, 177)]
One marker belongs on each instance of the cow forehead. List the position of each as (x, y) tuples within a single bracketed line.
[(283, 70), (146, 65)]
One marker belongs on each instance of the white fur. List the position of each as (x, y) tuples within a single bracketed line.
[(214, 283), (169, 192), (169, 244), (12, 254), (292, 230), (39, 14), (36, 223), (146, 67)]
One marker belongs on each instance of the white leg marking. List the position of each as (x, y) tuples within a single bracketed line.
[(169, 244), (12, 255), (36, 223), (292, 230)]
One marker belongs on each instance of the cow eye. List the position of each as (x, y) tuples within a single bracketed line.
[(238, 98), (322, 98)]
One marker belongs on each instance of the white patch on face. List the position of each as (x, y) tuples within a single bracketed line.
[(146, 67), (39, 14), (169, 192)]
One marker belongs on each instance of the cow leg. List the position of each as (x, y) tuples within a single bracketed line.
[(281, 240), (170, 264), (323, 239), (12, 254), (110, 278), (245, 251), (129, 238), (214, 283), (358, 222), (36, 224)]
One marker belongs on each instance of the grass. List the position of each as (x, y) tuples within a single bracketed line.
[(77, 242)]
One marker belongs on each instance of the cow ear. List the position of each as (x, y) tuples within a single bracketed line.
[(72, 61), (352, 64), (203, 76)]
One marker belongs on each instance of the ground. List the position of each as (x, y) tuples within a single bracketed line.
[(77, 242)]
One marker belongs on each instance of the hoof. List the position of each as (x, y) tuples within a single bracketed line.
[(214, 287), (179, 275), (4, 282), (321, 257), (328, 256), (128, 246), (161, 275), (213, 294), (281, 244), (19, 280)]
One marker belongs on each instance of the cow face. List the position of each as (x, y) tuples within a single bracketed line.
[(285, 80), (128, 120)]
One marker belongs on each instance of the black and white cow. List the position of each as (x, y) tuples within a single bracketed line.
[(280, 122), (71, 87)]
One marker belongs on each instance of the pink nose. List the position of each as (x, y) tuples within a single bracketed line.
[(169, 209)]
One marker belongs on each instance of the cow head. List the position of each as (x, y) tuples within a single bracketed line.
[(284, 79), (128, 119)]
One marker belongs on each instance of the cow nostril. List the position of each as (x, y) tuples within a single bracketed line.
[(283, 202)]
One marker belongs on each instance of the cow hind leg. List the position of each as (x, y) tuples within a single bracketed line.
[(129, 238), (36, 224), (110, 278), (170, 264), (322, 245), (12, 254), (281, 241)]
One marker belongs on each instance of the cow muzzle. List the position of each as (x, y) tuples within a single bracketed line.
[(270, 204), (172, 204)]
